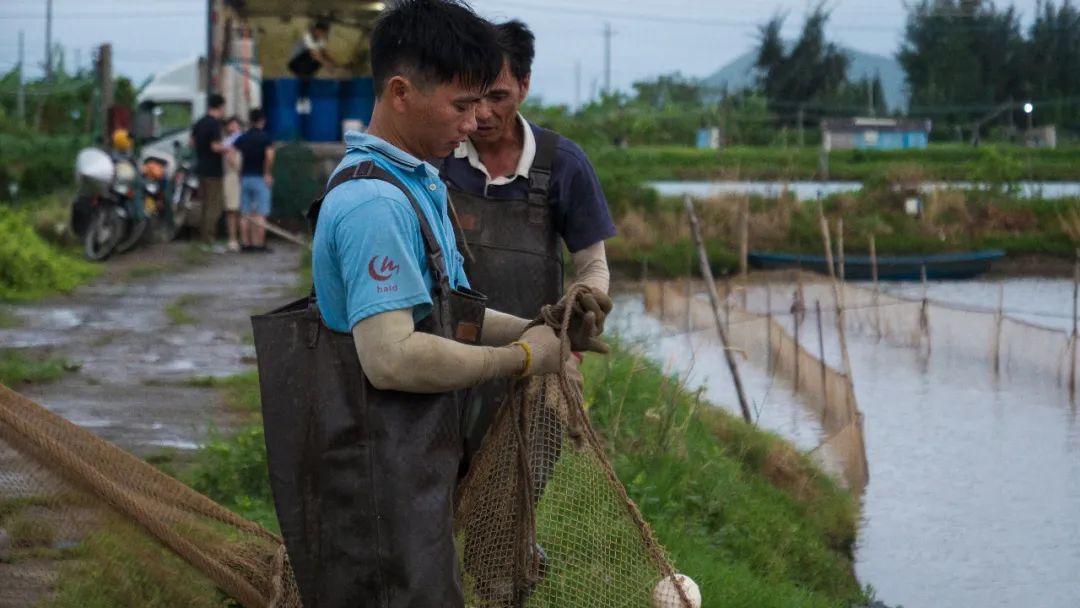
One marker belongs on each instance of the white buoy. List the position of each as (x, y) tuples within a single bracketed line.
[(665, 595)]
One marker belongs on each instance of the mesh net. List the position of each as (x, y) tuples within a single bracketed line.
[(67, 496), (542, 519), (949, 330), (764, 340)]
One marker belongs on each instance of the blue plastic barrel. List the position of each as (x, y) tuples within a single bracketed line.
[(279, 104), (358, 99), (323, 123)]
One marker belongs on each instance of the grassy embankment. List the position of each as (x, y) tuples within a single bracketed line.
[(653, 232)]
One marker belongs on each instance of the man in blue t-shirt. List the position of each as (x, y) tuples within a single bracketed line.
[(520, 193), (387, 468), (256, 178)]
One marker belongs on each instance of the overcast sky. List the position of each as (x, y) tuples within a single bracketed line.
[(651, 37)]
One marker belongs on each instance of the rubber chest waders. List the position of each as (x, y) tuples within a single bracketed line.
[(363, 479), (516, 261)]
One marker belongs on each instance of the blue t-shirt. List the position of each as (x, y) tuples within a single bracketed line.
[(582, 217), (368, 255)]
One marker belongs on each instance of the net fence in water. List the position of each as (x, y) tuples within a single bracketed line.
[(1008, 344), (762, 339)]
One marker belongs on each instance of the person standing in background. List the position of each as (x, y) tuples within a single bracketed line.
[(206, 140), (231, 182), (256, 179)]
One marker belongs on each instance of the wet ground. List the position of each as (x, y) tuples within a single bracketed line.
[(158, 317)]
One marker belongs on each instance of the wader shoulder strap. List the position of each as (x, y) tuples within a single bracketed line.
[(540, 172), (369, 170)]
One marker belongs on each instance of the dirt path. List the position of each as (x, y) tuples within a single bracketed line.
[(157, 318)]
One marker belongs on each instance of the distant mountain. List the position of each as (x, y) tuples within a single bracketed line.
[(739, 74)]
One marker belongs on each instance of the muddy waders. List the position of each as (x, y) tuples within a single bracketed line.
[(363, 479), (516, 261)]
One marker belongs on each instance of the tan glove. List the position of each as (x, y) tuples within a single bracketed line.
[(590, 309), (545, 351), (570, 366)]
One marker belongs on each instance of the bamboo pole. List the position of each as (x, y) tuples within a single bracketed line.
[(876, 295), (744, 238), (997, 328), (1076, 298), (840, 248), (924, 310), (796, 311), (768, 329), (838, 294), (706, 272), (821, 358)]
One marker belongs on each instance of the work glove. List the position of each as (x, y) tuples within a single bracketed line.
[(589, 311), (544, 351), (570, 367)]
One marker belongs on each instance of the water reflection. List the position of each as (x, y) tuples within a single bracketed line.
[(974, 495)]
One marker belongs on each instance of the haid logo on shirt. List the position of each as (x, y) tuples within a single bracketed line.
[(382, 272)]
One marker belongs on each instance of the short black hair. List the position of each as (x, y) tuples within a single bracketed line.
[(434, 41), (255, 116), (518, 46), (322, 24), (215, 101)]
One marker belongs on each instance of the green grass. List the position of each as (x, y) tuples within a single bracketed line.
[(20, 367), (9, 320), (754, 522), (31, 267), (118, 565), (992, 162), (178, 310), (240, 392)]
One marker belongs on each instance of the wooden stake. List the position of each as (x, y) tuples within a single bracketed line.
[(1076, 298), (706, 272), (840, 247), (876, 294), (997, 328), (821, 355), (744, 238), (924, 310), (768, 329), (838, 294)]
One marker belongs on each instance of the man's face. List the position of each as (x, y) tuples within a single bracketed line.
[(441, 117), (497, 112)]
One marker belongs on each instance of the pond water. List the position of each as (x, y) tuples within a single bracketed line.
[(974, 494), (809, 190)]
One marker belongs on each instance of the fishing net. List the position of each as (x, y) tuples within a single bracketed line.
[(542, 519), (950, 331), (70, 502), (768, 343)]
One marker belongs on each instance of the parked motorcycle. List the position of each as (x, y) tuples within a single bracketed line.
[(115, 205)]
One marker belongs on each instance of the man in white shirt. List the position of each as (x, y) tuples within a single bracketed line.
[(309, 54)]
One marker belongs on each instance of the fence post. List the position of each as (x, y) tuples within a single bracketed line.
[(821, 355), (997, 329), (706, 271), (874, 275), (924, 311), (1076, 296), (768, 329)]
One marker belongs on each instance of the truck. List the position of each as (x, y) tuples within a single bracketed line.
[(249, 44)]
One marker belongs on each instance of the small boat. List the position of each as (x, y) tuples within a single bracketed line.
[(961, 265)]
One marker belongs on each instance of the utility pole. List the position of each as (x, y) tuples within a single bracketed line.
[(105, 84), (20, 98), (607, 58), (48, 42), (870, 98)]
